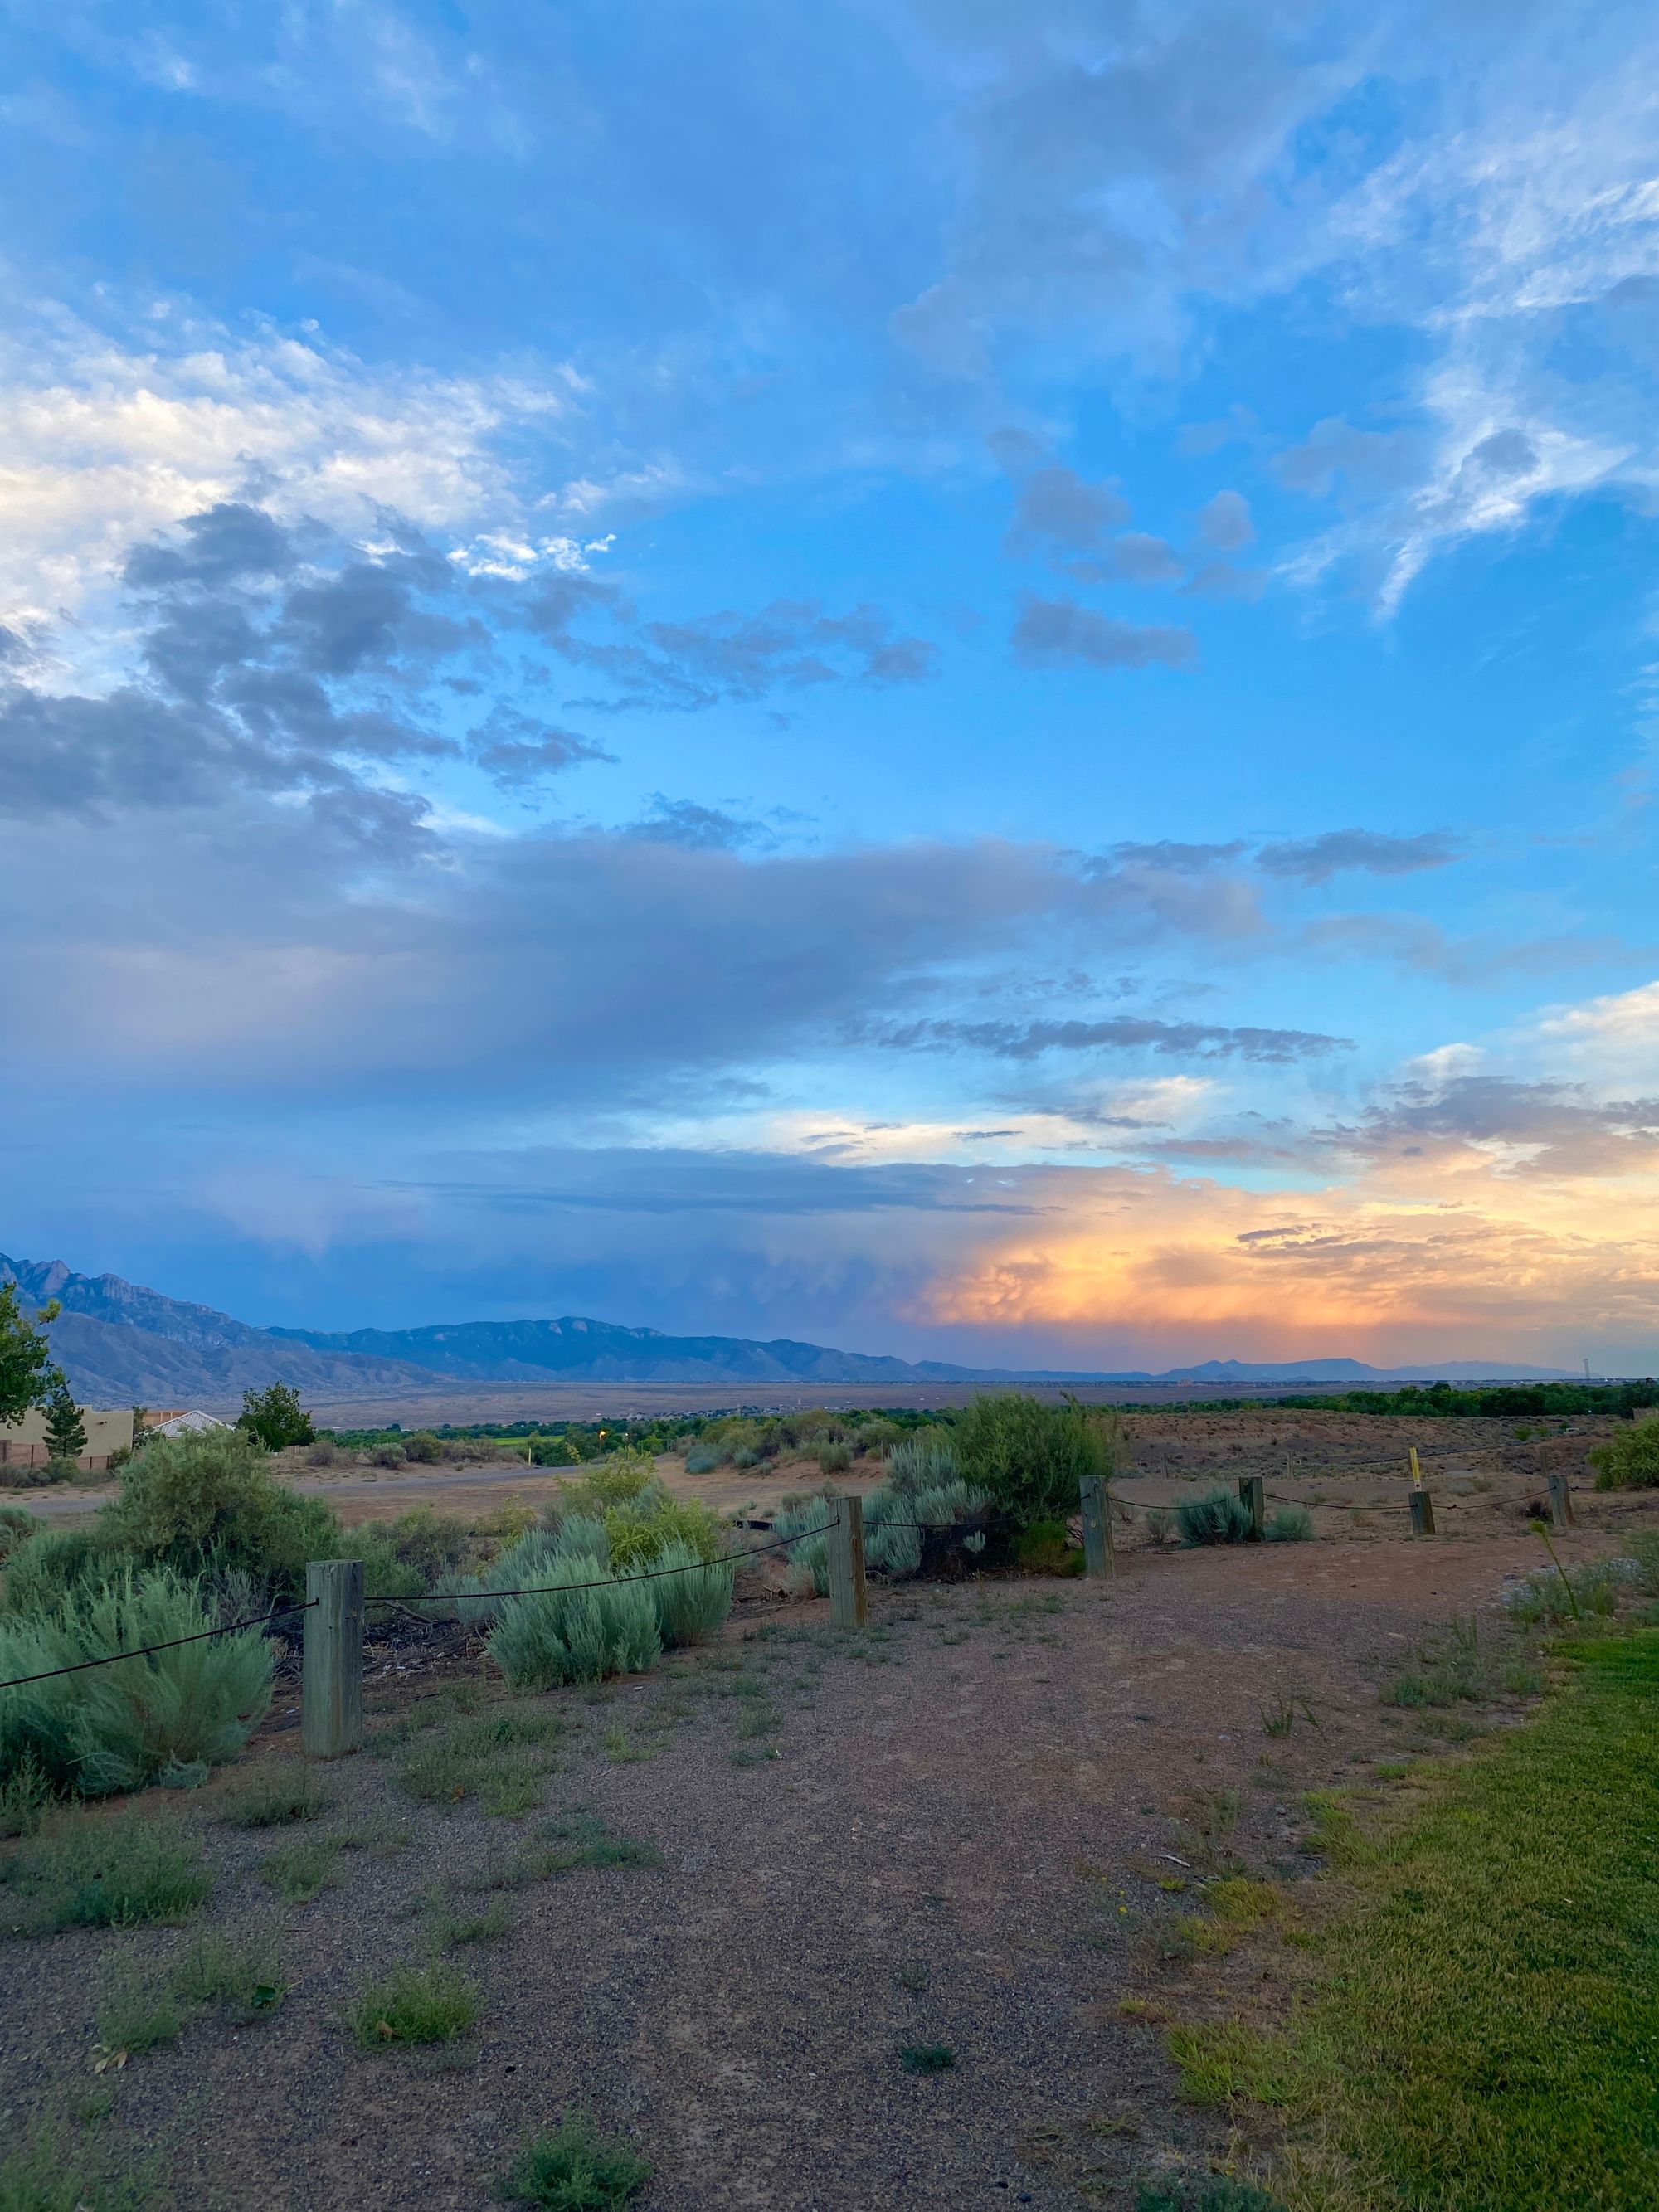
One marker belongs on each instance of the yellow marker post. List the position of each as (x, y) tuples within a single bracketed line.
[(1417, 1472)]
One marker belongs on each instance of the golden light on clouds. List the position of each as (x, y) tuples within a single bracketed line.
[(1450, 1269)]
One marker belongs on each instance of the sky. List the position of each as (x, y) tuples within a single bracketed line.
[(965, 679)]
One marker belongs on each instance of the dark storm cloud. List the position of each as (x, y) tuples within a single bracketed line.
[(1057, 633), (516, 752), (1025, 1041), (1317, 859)]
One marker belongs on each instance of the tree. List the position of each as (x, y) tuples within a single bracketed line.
[(276, 1417), (66, 1433), (27, 1372)]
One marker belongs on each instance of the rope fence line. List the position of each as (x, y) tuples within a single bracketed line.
[(147, 1650)]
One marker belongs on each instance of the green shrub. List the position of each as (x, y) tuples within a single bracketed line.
[(117, 1726), (1218, 1517), (194, 1502), (423, 1448), (1160, 1523), (834, 1458), (702, 1459), (1045, 1548), (924, 1463), (135, 2013), (17, 1525), (878, 1437), (1631, 1459), (692, 1606), (42, 1571), (1031, 1458), (430, 1542), (1290, 1524), (106, 1874), (809, 1555), (566, 1633), (640, 1529), (926, 2058), (572, 2168), (25, 1794), (898, 1522), (436, 2004)]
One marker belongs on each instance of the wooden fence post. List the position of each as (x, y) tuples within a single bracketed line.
[(331, 1682), (1561, 1511), (1098, 1555), (1253, 1492), (850, 1602), (1422, 1503)]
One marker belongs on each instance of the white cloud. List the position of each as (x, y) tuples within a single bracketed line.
[(104, 439)]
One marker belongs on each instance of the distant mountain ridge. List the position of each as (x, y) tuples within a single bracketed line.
[(119, 1342)]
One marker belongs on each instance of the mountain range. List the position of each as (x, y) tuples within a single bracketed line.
[(119, 1343)]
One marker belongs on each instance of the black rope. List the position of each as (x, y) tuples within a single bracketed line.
[(144, 1651), (609, 1582)]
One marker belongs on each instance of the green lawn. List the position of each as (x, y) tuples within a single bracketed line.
[(1482, 2031), (1480, 2027)]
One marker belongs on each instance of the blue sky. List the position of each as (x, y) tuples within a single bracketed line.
[(965, 679)]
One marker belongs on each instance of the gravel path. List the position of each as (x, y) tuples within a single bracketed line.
[(957, 1844)]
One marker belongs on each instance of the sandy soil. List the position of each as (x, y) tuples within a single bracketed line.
[(979, 1796)]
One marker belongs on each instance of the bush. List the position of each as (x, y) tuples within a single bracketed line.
[(640, 1531), (106, 1874), (570, 1634), (416, 2004), (702, 1459), (1031, 1458), (899, 1521), (196, 1502), (119, 1726), (922, 1463), (572, 2168), (878, 1437), (834, 1458), (389, 1455), (275, 1419), (691, 1606), (324, 1452), (1218, 1517), (809, 1556), (1290, 1524), (422, 1447), (1044, 1548), (54, 1563), (1631, 1459), (1160, 1523), (17, 1525)]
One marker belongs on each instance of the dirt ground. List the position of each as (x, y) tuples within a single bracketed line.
[(963, 1839)]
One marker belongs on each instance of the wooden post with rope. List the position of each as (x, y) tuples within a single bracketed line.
[(1098, 1556), (1422, 1503), (849, 1600), (1560, 1490), (331, 1681), (1253, 1492)]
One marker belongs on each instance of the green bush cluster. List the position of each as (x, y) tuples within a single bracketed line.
[(1218, 1517), (1631, 1459), (1029, 1458)]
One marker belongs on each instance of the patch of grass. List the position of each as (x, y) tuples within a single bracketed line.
[(574, 1841), (574, 2169), (926, 2058), (380, 1837), (93, 1873), (303, 1869), (45, 2176), (511, 1789), (435, 2003), (914, 1977), (1485, 2006), (25, 1796), (276, 1802), (620, 1749), (244, 1976), (756, 1754), (1203, 2192), (760, 1721), (1223, 2061), (453, 1930), (135, 2013)]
